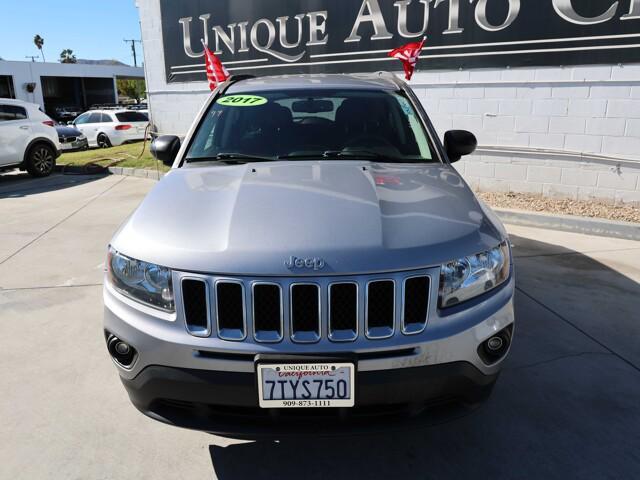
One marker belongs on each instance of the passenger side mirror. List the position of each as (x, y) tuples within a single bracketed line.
[(165, 149), (458, 143), (69, 123)]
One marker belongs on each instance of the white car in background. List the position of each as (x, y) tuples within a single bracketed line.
[(106, 128), (28, 139)]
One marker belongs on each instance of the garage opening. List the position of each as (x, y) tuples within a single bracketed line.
[(66, 97), (6, 87)]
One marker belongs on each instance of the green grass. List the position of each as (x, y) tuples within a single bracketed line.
[(122, 156)]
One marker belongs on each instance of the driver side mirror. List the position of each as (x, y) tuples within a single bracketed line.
[(165, 149), (69, 123), (458, 143)]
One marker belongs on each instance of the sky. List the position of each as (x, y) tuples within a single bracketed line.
[(93, 29)]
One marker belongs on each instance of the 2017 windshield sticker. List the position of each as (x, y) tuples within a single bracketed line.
[(242, 101)]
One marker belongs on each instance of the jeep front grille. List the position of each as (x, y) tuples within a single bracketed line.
[(306, 310)]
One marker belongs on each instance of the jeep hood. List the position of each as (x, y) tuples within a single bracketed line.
[(358, 217)]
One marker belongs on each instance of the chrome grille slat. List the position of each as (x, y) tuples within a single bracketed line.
[(380, 309), (195, 302), (343, 311), (415, 304), (305, 311), (231, 312), (315, 309), (267, 312)]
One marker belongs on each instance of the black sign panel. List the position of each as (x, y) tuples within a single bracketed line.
[(312, 36)]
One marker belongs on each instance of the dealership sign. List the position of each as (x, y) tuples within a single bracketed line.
[(298, 36)]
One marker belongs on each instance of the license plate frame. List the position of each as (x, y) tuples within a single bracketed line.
[(319, 394)]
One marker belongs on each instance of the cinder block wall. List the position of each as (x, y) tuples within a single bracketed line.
[(570, 132)]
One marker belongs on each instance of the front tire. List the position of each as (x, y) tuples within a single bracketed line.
[(103, 141), (41, 161)]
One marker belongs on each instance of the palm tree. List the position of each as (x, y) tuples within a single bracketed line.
[(39, 42), (67, 56)]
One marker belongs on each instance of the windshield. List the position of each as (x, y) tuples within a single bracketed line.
[(318, 123)]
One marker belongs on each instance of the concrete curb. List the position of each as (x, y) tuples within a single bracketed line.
[(570, 223), (136, 172), (92, 169)]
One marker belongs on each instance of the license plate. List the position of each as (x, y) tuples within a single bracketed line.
[(306, 385)]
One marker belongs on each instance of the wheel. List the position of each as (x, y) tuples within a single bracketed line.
[(41, 160), (103, 141)]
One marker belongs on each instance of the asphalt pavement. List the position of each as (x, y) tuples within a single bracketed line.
[(567, 404)]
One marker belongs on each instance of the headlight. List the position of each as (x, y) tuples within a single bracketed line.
[(471, 276), (145, 282), (82, 137)]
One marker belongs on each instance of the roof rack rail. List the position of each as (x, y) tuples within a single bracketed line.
[(238, 78), (118, 106), (231, 80)]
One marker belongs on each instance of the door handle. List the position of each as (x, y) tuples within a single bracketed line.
[(24, 127)]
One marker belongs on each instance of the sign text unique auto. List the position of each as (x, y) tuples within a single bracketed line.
[(295, 36)]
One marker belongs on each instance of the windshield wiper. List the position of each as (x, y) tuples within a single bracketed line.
[(355, 154), (235, 158), (335, 154)]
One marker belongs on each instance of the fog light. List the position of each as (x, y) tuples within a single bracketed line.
[(121, 352), (496, 346), (122, 348)]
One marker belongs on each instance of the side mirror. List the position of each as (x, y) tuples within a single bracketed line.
[(69, 123), (459, 143), (165, 149)]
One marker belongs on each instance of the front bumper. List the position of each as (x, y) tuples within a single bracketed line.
[(74, 146), (210, 384), (227, 402)]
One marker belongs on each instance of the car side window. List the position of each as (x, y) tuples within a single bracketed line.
[(95, 118), (84, 118), (106, 118), (10, 113)]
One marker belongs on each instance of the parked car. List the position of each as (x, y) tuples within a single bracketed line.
[(71, 139), (66, 114), (28, 139), (312, 250), (106, 128)]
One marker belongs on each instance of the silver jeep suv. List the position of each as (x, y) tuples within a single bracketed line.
[(312, 261)]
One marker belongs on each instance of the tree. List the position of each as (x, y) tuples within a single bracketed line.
[(39, 42), (134, 89), (67, 56)]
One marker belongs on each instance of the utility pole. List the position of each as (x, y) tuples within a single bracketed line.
[(32, 57), (133, 49)]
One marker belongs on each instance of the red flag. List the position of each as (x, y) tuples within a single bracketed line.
[(216, 73), (408, 55)]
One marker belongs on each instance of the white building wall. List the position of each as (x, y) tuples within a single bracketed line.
[(569, 132)]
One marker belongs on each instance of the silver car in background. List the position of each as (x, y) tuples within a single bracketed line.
[(311, 262)]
